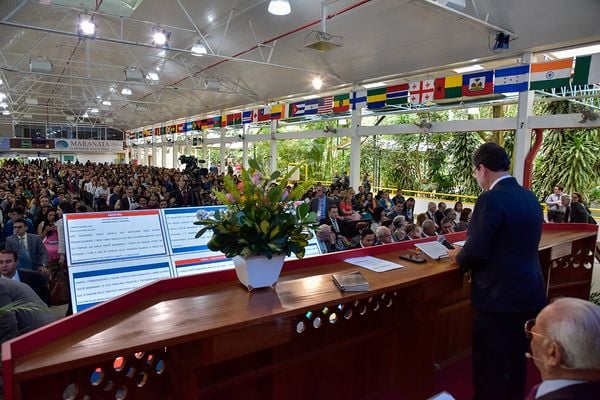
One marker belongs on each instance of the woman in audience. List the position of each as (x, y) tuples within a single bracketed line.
[(371, 203), (379, 216), (345, 207), (421, 218), (465, 218), (458, 207)]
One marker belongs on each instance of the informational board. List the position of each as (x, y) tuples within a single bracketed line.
[(111, 253)]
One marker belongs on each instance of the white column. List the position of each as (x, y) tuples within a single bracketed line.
[(222, 151), (355, 150), (154, 161), (146, 152), (203, 140), (175, 149), (245, 131), (273, 143), (163, 153), (523, 132)]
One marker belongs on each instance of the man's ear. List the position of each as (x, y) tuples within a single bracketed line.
[(555, 355)]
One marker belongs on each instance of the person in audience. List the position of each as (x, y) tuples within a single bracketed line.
[(398, 228), (507, 281), (421, 218), (465, 218), (16, 213), (333, 219), (127, 202), (398, 198), (429, 228), (345, 208), (379, 216), (447, 225), (37, 281), (367, 238), (566, 350), (398, 210), (458, 206), (371, 203), (32, 313), (29, 247), (409, 210), (431, 209), (384, 235), (385, 202), (564, 210), (320, 204), (579, 213), (439, 214), (553, 201), (326, 239), (413, 231)]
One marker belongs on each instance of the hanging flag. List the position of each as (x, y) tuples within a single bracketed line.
[(376, 98), (325, 105), (216, 121), (278, 111), (511, 79), (587, 70), (307, 107), (549, 75), (448, 87), (189, 126), (172, 128), (156, 131), (478, 83), (341, 103), (358, 99), (163, 130), (421, 92), (234, 119), (181, 128), (247, 117), (397, 94)]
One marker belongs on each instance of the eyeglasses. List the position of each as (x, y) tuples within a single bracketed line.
[(529, 324)]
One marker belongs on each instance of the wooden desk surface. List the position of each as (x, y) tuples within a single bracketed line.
[(183, 315)]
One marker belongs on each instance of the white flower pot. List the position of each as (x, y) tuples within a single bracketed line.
[(258, 271)]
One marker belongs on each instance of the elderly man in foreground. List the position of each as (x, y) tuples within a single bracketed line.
[(565, 346)]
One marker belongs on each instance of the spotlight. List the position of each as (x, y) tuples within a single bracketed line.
[(86, 26), (502, 41), (85, 115), (106, 102), (160, 37), (126, 91), (279, 7), (198, 49), (94, 110), (153, 76), (5, 112), (317, 83)]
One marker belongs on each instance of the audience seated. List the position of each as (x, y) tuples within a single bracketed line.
[(429, 228), (384, 236), (37, 281), (565, 348)]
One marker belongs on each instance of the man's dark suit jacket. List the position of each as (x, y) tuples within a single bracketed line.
[(35, 247), (578, 213), (582, 391), (501, 250), (314, 205), (37, 282), (190, 198)]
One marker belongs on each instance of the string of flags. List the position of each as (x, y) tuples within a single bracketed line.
[(520, 78)]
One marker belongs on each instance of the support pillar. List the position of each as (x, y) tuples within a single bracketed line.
[(245, 131), (355, 150), (223, 151), (273, 143), (523, 132)]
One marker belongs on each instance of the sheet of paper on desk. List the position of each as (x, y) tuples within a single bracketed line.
[(460, 243), (435, 250), (373, 263)]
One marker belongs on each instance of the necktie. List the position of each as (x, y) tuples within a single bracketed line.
[(23, 242)]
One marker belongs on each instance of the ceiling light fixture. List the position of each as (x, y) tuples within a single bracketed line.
[(4, 104), (470, 68), (2, 96), (126, 91), (94, 110), (160, 37), (153, 76), (317, 83), (85, 115), (373, 85), (279, 7), (106, 103), (1, 81), (199, 49), (5, 112), (86, 26), (581, 51)]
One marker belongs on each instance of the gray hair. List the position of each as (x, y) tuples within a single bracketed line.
[(565, 197), (381, 232), (575, 325)]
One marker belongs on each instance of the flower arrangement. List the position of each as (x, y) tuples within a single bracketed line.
[(261, 219)]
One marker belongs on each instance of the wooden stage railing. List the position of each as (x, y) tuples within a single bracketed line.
[(206, 337)]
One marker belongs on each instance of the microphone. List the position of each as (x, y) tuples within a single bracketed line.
[(442, 239)]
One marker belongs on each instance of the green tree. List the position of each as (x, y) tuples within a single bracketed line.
[(462, 145)]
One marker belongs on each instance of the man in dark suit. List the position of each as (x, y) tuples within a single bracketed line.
[(29, 247), (321, 204), (35, 280), (507, 283), (565, 349), (127, 202), (184, 195)]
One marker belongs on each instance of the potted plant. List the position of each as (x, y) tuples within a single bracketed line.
[(260, 226)]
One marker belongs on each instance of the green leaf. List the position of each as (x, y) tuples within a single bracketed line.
[(275, 175), (253, 164)]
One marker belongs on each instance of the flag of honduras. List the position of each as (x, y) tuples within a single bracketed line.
[(512, 79)]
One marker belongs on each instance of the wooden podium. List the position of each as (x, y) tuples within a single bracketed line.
[(206, 337)]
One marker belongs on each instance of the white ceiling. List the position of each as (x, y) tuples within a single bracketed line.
[(381, 38)]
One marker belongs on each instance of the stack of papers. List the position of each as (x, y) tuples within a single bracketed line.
[(435, 250), (373, 263)]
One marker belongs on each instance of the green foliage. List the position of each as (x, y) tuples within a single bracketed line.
[(462, 146), (568, 157), (261, 218)]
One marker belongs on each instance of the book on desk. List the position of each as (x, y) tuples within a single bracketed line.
[(351, 282)]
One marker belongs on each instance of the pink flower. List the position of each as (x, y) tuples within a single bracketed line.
[(256, 178), (230, 197), (285, 195)]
